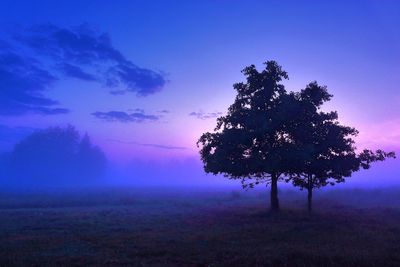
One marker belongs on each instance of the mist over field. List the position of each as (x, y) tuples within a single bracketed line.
[(200, 133), (177, 173), (91, 166)]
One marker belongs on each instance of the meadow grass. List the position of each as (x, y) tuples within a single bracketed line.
[(202, 227)]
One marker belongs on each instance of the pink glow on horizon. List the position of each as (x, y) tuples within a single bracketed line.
[(385, 135)]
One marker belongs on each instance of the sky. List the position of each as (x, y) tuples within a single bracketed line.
[(146, 78)]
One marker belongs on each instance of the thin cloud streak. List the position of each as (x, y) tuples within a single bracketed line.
[(168, 147), (205, 115), (138, 116)]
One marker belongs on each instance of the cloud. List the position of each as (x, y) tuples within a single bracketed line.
[(118, 92), (203, 115), (121, 116), (23, 83), (75, 48), (76, 72), (140, 110), (142, 81), (149, 145), (35, 59)]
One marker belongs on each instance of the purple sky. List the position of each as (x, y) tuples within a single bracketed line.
[(146, 78)]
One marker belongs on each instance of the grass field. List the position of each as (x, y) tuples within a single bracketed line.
[(203, 227)]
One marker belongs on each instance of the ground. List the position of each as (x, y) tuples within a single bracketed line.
[(198, 227)]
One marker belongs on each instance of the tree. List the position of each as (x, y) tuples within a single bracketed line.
[(90, 159), (326, 153), (54, 156), (251, 142)]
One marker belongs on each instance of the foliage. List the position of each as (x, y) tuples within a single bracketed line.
[(326, 152), (250, 141), (55, 154), (269, 133)]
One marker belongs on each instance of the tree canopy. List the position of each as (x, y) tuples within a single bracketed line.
[(250, 143), (269, 134), (54, 156), (326, 151)]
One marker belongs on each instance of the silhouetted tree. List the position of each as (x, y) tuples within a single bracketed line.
[(251, 142), (53, 155), (269, 134), (91, 160), (326, 153)]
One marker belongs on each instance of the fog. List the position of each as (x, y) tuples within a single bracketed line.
[(60, 158), (60, 192), (53, 157)]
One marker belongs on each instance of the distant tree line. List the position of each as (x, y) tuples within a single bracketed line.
[(271, 135), (53, 156)]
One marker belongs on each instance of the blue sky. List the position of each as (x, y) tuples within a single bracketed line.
[(189, 53)]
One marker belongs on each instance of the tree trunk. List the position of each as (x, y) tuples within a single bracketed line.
[(274, 193), (309, 199), (309, 191)]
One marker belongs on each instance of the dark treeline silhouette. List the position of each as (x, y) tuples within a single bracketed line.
[(271, 135), (53, 156)]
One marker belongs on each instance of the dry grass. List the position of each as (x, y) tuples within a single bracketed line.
[(203, 228)]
